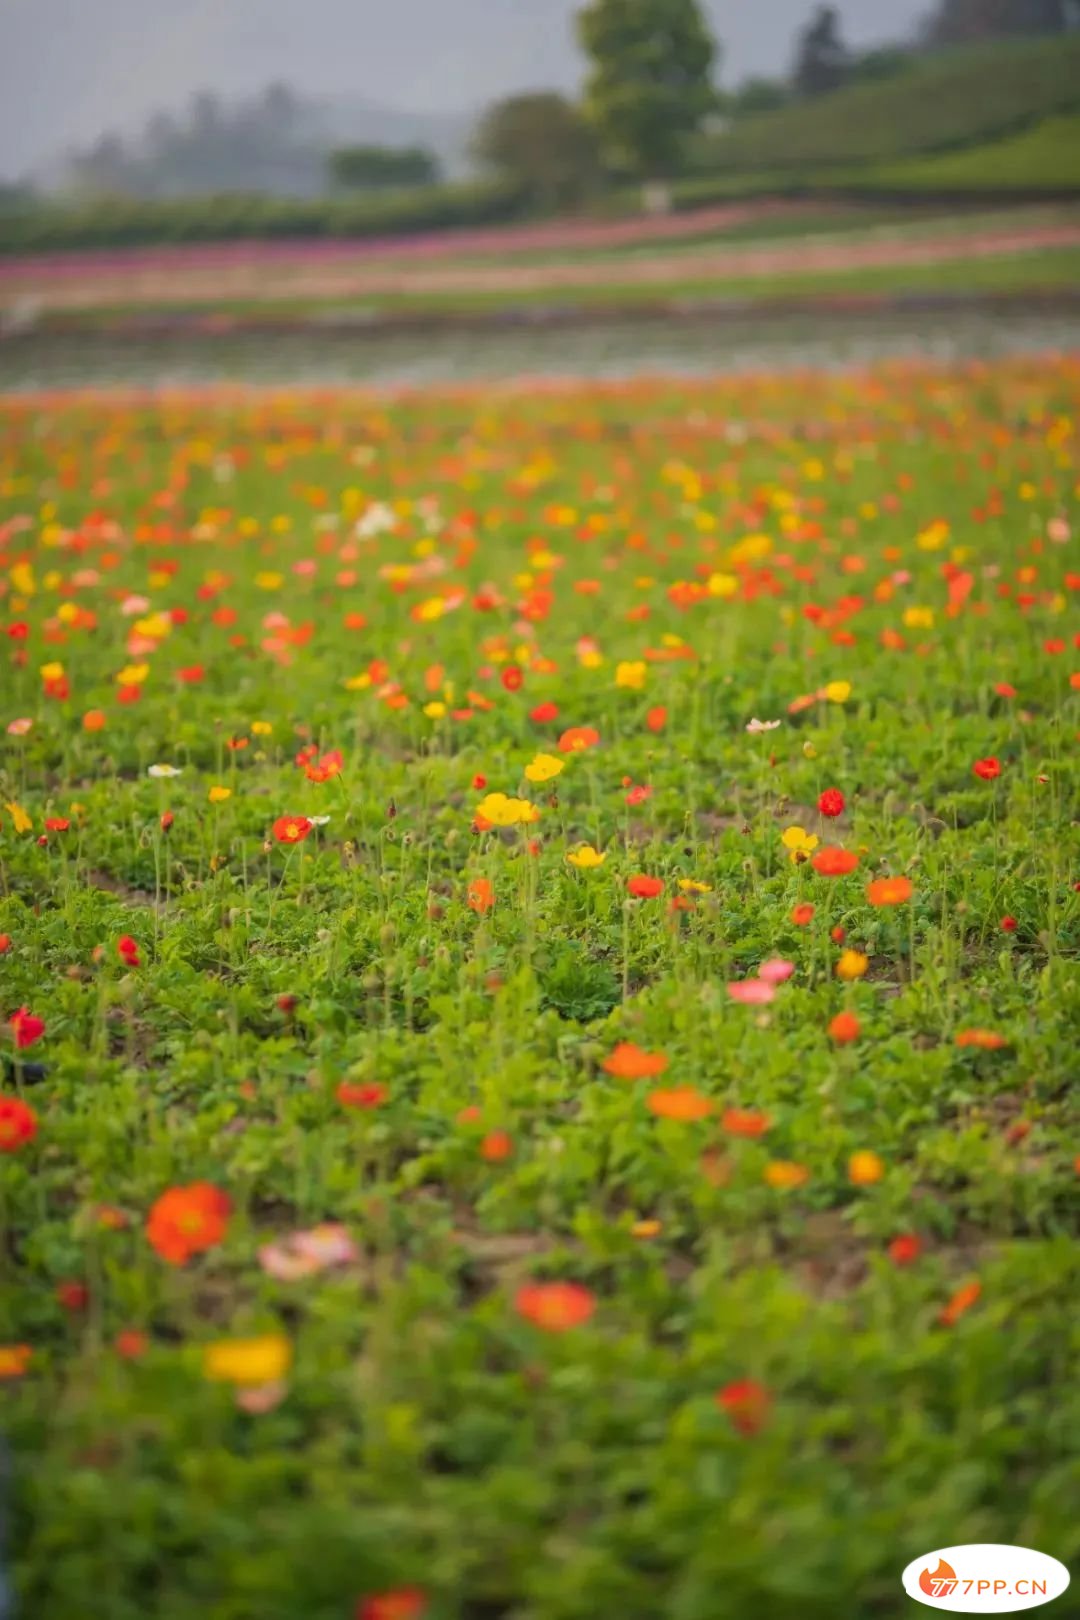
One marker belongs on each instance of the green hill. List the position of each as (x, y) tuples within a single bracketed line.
[(942, 103), (1046, 157)]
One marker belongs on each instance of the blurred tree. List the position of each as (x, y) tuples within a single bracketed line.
[(758, 95), (540, 142), (377, 167), (961, 22), (650, 84), (822, 60)]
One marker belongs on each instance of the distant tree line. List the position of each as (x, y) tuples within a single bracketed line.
[(651, 87)]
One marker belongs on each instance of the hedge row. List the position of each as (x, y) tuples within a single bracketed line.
[(121, 222)]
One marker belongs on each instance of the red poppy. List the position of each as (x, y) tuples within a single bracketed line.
[(746, 1403), (889, 891), (512, 678), (57, 823), (72, 1296), (481, 895), (187, 1220), (26, 1027), (639, 793), (656, 719), (555, 1306), (831, 861), (838, 934), (329, 765), (987, 769), (904, 1249), (744, 1122), (127, 948), (167, 820), (365, 1094), (496, 1146), (479, 782), (1008, 925), (831, 802), (544, 713), (5, 944), (802, 914), (643, 887), (844, 1027), (18, 1124), (292, 829), (404, 1603)]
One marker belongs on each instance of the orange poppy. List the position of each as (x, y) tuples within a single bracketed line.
[(187, 1220), (987, 1040), (404, 1603), (865, 1168), (889, 891), (744, 1122), (963, 1299), (642, 887), (630, 1062), (785, 1173), (292, 829), (481, 895), (680, 1102), (831, 861), (555, 1306), (577, 739)]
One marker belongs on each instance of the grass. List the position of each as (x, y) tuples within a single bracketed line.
[(1047, 156), (955, 99), (751, 1400)]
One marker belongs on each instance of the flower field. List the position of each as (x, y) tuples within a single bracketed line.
[(538, 935)]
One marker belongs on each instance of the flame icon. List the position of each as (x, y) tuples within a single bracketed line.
[(941, 1582)]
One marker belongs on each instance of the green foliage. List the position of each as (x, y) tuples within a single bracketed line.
[(379, 168), (541, 144), (576, 985), (937, 103), (650, 82)]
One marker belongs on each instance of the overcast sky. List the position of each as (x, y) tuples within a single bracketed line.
[(71, 68)]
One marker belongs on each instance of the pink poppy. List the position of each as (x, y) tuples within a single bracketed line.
[(751, 992), (776, 970), (305, 1254)]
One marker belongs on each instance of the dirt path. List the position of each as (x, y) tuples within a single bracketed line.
[(265, 274)]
